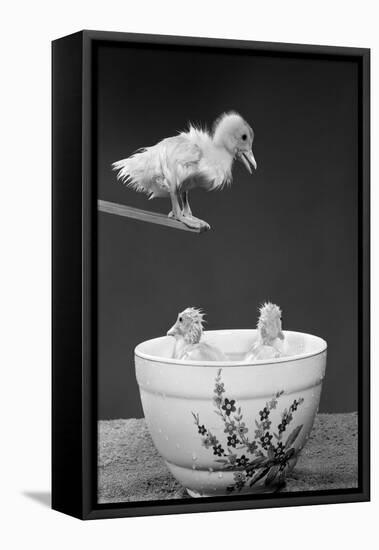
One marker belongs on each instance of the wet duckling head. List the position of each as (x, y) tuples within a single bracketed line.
[(233, 133), (270, 323), (188, 326)]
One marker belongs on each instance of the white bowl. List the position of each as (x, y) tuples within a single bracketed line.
[(231, 427)]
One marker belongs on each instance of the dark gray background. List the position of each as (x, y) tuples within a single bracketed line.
[(288, 233)]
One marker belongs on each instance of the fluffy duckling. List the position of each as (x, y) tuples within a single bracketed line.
[(195, 158), (187, 332), (270, 335)]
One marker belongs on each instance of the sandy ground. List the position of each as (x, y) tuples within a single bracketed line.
[(130, 468)]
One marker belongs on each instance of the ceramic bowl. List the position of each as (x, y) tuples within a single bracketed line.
[(231, 427)]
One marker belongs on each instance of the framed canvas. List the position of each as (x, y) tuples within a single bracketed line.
[(267, 404)]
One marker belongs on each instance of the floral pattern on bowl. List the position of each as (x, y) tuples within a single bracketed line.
[(267, 456)]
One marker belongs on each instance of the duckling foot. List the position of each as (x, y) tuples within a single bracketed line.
[(203, 224), (191, 221)]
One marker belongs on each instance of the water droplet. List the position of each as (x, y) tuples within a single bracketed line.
[(220, 475), (194, 457), (193, 466), (166, 437), (210, 470), (160, 430)]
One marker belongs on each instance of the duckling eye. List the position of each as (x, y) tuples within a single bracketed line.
[(244, 137), (180, 319)]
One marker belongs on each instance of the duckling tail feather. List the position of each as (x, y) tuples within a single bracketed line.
[(139, 172)]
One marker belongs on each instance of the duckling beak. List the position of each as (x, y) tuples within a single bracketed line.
[(248, 159), (173, 331), (281, 335)]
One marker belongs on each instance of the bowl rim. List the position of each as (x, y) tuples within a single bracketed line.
[(178, 362)]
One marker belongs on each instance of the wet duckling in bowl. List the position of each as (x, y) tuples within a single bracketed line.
[(270, 335), (188, 332)]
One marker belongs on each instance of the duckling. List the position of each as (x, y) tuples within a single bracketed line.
[(187, 332), (270, 334), (195, 158)]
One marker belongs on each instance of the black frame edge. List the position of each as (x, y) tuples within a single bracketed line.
[(365, 421), (67, 463), (197, 41), (210, 505)]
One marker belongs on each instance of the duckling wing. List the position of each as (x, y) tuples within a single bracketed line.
[(180, 150), (180, 159), (151, 170), (213, 169)]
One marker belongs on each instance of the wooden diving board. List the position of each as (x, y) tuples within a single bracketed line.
[(142, 215)]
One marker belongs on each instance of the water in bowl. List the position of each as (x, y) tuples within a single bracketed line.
[(290, 347), (237, 356)]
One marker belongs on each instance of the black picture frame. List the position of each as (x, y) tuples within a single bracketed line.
[(74, 204)]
